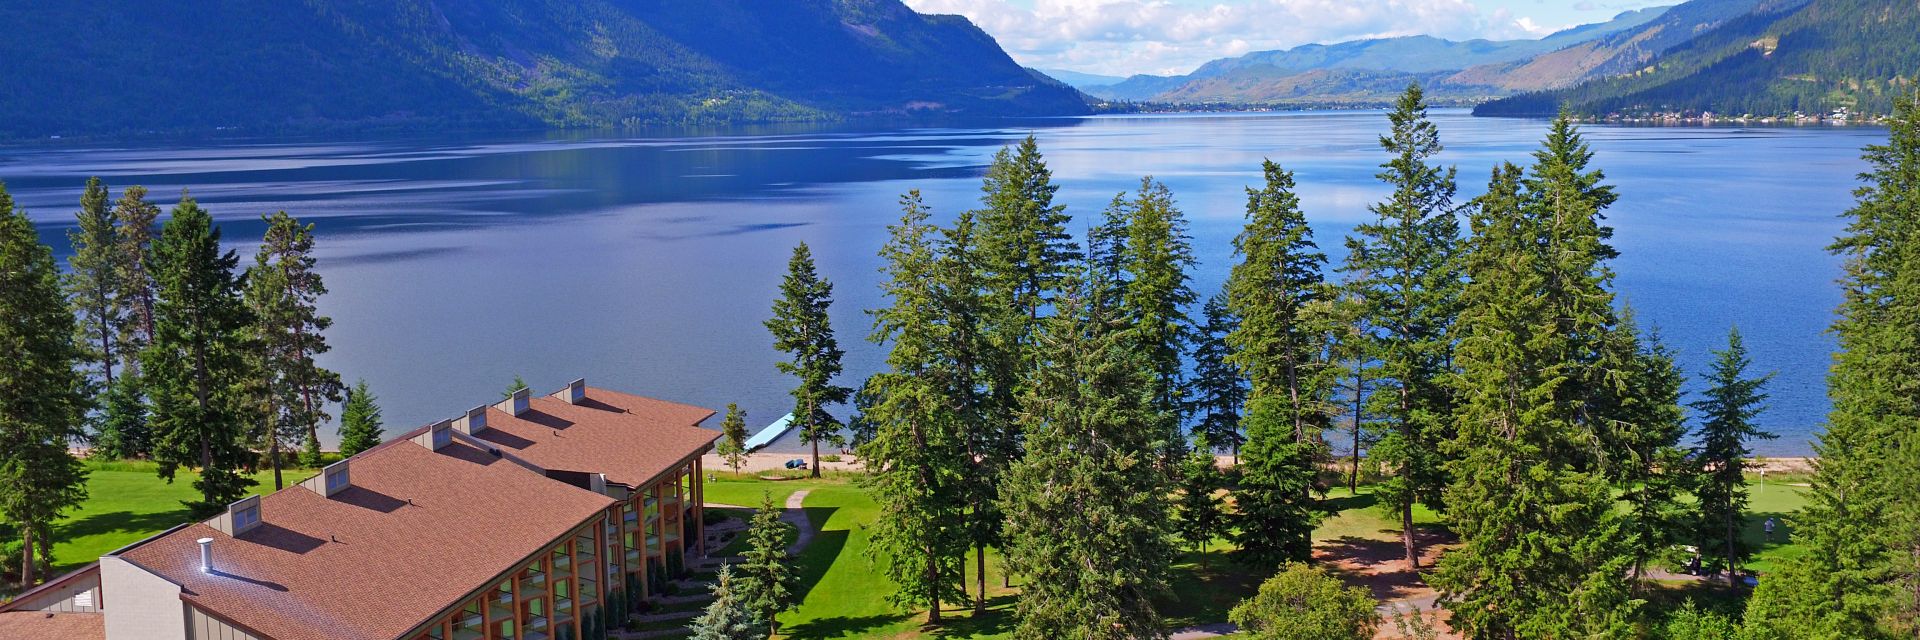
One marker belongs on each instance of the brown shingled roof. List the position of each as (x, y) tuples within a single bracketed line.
[(599, 434), (417, 531), (35, 625)]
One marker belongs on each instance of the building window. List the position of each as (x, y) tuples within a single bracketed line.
[(245, 518)]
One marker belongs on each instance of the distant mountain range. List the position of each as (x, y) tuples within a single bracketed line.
[(1768, 57), (1780, 58), (128, 66)]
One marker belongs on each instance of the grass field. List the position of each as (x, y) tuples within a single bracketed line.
[(127, 501), (843, 592)]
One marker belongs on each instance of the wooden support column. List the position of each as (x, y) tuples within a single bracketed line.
[(639, 503), (700, 506)]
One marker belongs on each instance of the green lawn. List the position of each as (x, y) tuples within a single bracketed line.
[(843, 593), (127, 501)]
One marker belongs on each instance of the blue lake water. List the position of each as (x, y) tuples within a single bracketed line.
[(647, 263)]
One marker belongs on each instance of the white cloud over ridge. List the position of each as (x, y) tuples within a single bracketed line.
[(1123, 37)]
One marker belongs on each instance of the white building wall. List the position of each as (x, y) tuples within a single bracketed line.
[(141, 605)]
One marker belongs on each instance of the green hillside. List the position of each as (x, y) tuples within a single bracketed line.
[(122, 66), (1779, 60)]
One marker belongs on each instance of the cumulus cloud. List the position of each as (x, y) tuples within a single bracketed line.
[(1167, 37)]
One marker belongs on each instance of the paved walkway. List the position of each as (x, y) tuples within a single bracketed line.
[(796, 514), (1214, 630)]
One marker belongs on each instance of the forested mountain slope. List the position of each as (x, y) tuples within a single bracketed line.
[(118, 66), (1783, 58)]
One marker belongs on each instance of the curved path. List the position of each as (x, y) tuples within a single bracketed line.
[(795, 514)]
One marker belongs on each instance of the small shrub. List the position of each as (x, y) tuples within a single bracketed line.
[(1306, 603), (1691, 623), (831, 457)]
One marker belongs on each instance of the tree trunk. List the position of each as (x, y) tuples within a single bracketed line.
[(1406, 535), (933, 584), (26, 556), (1730, 542), (1359, 397), (273, 456), (980, 574)]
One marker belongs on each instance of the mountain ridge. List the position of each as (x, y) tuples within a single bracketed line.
[(122, 66)]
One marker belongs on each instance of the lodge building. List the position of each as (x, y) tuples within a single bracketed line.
[(530, 519)]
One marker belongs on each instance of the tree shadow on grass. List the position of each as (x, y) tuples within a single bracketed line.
[(1356, 501), (120, 522), (1206, 585), (962, 623), (842, 627)]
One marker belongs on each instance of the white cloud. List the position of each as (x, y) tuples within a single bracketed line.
[(1167, 36)]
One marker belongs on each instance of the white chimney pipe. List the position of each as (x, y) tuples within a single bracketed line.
[(206, 555)]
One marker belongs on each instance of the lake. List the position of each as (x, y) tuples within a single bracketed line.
[(647, 263)]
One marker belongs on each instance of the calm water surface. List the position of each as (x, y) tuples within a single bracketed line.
[(648, 263)]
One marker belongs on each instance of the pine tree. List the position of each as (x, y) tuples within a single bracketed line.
[(1727, 409), (801, 328), (360, 423), (1540, 554), (1404, 270), (124, 431), (1352, 350), (1860, 577), (42, 401), (766, 579), (728, 617), (733, 437), (283, 291), (134, 220), (1279, 344), (1155, 260), (914, 461), (93, 280), (1200, 515), (984, 426), (1220, 391), (196, 367), (1087, 518), (514, 387), (1652, 472), (1020, 252)]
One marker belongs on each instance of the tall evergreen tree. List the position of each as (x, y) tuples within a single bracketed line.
[(983, 424), (1087, 518), (914, 463), (1021, 251), (283, 292), (360, 423), (196, 368), (1155, 260), (1352, 352), (93, 280), (1646, 423), (733, 438), (135, 220), (1727, 409), (801, 328), (1860, 577), (1219, 389), (42, 392), (1541, 555), (1279, 344), (1404, 269), (766, 579)]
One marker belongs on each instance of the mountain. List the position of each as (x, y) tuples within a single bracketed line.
[(1357, 72), (1077, 79), (1783, 57), (1620, 52), (1423, 53), (120, 66)]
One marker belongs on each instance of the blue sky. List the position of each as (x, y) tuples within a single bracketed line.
[(1123, 37)]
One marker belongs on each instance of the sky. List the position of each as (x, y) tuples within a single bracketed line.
[(1124, 37)]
